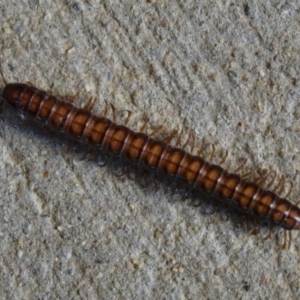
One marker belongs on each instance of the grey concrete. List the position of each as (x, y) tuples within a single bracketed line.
[(226, 72)]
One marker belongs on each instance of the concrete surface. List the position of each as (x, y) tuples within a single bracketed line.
[(228, 71)]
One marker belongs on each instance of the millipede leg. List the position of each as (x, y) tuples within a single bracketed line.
[(240, 166), (142, 129), (120, 170), (179, 138), (187, 192), (90, 104), (271, 181), (287, 239), (262, 179), (113, 112), (86, 156), (128, 117), (71, 145), (155, 130), (196, 202), (201, 149), (254, 230), (279, 185), (102, 160), (212, 153), (268, 234), (284, 240), (247, 224), (227, 214), (223, 159), (105, 109), (186, 142), (70, 99), (185, 196), (213, 210), (290, 239), (222, 213), (192, 143), (249, 173), (290, 190), (169, 138), (29, 83), (156, 185), (137, 172), (133, 172)]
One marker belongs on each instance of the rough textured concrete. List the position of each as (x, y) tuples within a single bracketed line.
[(225, 70)]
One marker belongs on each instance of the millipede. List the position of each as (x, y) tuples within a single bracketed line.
[(157, 155)]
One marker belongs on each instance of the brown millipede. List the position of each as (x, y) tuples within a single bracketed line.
[(136, 147)]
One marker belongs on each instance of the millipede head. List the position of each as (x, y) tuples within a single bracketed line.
[(11, 93)]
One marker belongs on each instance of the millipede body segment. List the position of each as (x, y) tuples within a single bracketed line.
[(82, 125)]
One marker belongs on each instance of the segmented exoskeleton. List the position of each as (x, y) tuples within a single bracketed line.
[(82, 125)]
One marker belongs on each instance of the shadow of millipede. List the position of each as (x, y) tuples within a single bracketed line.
[(144, 177)]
